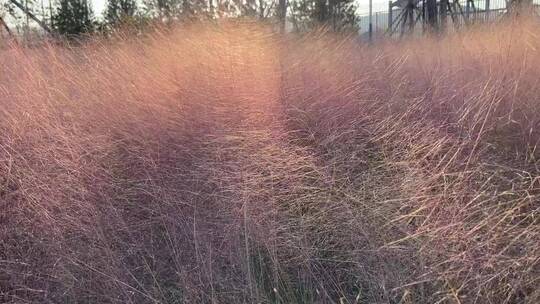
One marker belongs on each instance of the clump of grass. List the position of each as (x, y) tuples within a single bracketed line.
[(226, 164)]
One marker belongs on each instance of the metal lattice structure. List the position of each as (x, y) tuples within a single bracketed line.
[(409, 16), (431, 14)]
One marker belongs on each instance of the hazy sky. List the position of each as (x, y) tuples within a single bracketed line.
[(363, 5)]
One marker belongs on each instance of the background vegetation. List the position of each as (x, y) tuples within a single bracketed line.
[(73, 18)]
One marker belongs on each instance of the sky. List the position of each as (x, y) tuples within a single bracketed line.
[(99, 5)]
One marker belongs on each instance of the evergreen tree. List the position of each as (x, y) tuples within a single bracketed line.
[(119, 11), (164, 10), (73, 18), (179, 10), (339, 15)]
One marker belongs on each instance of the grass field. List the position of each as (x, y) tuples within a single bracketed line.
[(227, 164)]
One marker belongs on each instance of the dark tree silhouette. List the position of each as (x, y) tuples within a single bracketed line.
[(339, 15), (120, 11), (73, 18)]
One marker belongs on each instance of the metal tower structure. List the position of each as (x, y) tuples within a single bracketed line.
[(410, 12), (436, 15)]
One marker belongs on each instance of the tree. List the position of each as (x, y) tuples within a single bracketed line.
[(182, 10), (73, 18), (164, 10), (339, 15), (120, 11)]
